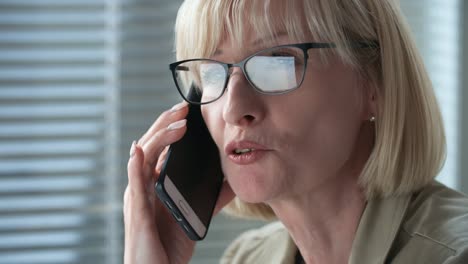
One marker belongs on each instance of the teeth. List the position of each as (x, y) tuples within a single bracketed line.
[(242, 151)]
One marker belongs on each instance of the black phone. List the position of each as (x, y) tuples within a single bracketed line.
[(191, 177)]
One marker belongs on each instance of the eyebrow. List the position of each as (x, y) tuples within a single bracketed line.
[(257, 42)]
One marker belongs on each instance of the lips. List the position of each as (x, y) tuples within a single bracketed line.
[(245, 152)]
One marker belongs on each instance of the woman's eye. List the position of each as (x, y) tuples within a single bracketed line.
[(288, 54), (298, 58), (282, 54), (285, 53)]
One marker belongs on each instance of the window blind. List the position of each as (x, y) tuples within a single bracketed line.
[(54, 89)]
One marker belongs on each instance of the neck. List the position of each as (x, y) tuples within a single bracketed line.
[(323, 222)]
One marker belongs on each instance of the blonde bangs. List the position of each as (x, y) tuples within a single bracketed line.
[(204, 24), (198, 28)]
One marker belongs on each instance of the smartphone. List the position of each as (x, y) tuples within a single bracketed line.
[(191, 177)]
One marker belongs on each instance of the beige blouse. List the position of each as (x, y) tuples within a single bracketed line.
[(429, 227)]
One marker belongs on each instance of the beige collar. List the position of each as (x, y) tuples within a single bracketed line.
[(378, 229)]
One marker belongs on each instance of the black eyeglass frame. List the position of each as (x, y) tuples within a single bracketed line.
[(227, 66)]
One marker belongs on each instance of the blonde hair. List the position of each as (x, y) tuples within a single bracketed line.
[(409, 148)]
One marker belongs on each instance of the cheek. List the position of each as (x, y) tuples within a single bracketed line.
[(212, 115), (335, 95), (327, 117)]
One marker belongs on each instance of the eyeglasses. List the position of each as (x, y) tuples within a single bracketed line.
[(275, 70)]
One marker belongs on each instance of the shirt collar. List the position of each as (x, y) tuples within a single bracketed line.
[(378, 229)]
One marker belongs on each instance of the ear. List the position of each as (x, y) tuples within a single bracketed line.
[(370, 99)]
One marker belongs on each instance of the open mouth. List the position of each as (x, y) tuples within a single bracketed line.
[(242, 151), (245, 153)]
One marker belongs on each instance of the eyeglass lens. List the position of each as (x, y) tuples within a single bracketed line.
[(275, 70)]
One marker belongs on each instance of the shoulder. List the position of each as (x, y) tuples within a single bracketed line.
[(441, 214), (437, 221), (270, 242)]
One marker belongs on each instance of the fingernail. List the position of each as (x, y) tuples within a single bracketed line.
[(177, 125), (132, 149), (178, 106)]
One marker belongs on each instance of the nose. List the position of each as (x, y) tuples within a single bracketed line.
[(243, 106)]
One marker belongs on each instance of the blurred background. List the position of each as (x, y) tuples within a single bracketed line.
[(81, 79)]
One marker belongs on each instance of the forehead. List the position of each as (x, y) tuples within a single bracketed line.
[(265, 23), (252, 44), (237, 23)]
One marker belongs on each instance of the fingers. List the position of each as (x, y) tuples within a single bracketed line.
[(164, 137), (168, 128), (161, 159), (225, 196), (177, 112), (135, 169)]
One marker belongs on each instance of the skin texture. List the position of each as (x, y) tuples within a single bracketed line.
[(311, 131), (317, 137)]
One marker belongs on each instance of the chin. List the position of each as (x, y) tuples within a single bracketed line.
[(250, 188), (254, 183), (249, 197)]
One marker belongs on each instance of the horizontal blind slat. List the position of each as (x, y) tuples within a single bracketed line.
[(47, 4), (51, 129)]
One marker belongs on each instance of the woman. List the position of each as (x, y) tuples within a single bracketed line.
[(329, 125)]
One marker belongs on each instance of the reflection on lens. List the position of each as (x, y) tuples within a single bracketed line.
[(212, 78), (204, 77), (274, 70), (277, 70), (186, 79)]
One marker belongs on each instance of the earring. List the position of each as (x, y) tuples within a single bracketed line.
[(372, 119)]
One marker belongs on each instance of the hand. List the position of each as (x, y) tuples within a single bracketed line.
[(151, 233)]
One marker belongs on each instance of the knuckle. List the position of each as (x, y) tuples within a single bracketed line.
[(157, 141), (165, 115)]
